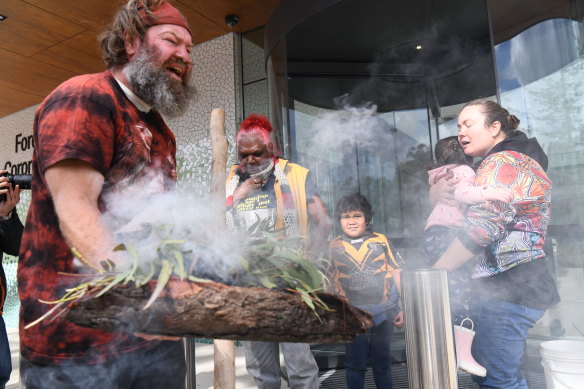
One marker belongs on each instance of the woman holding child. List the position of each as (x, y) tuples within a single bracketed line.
[(512, 286)]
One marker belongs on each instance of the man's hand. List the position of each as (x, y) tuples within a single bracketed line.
[(12, 195), (443, 189), (75, 187), (247, 188), (398, 320)]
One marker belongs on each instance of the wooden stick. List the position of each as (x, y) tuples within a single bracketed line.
[(224, 377), (224, 372), (219, 146)]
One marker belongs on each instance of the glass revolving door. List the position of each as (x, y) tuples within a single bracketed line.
[(363, 89)]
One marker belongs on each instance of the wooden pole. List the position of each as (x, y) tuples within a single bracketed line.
[(224, 372), (218, 159)]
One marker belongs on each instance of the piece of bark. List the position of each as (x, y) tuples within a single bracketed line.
[(214, 310)]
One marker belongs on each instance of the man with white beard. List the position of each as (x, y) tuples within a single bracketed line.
[(266, 193), (94, 135)]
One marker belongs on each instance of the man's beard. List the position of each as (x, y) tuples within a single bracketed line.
[(152, 84)]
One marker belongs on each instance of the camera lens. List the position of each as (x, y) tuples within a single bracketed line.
[(23, 180)]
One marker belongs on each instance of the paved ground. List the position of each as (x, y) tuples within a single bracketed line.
[(328, 379), (203, 365)]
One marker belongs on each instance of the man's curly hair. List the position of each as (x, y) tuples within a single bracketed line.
[(127, 25)]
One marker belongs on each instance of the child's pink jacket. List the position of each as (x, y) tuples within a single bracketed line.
[(465, 193)]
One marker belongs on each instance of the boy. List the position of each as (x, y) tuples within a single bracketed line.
[(361, 263)]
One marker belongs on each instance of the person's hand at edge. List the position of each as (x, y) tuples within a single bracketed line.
[(398, 319), (12, 195)]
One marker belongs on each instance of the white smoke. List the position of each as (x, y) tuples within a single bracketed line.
[(145, 218), (360, 125)]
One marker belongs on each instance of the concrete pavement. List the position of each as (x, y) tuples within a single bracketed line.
[(203, 365)]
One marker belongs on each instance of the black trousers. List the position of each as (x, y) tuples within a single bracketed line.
[(162, 366)]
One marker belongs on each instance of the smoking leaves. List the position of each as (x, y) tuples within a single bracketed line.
[(278, 262), (268, 260)]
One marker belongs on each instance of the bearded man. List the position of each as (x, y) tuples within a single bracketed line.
[(94, 135)]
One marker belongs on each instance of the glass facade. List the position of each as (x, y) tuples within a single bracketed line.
[(368, 122), (541, 80), (407, 85)]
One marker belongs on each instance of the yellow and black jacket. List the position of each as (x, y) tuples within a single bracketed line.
[(360, 268)]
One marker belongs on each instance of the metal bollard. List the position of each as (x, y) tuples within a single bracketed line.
[(191, 376), (428, 329)]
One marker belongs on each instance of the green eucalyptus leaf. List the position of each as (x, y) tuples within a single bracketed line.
[(180, 265), (307, 300), (163, 277), (267, 283), (146, 277), (108, 265), (197, 279), (131, 276), (117, 279), (172, 241), (244, 263), (120, 247)]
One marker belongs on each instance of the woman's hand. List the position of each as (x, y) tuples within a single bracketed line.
[(498, 194), (443, 190), (247, 188)]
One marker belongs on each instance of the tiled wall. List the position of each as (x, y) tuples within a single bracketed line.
[(217, 77), (255, 85)]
